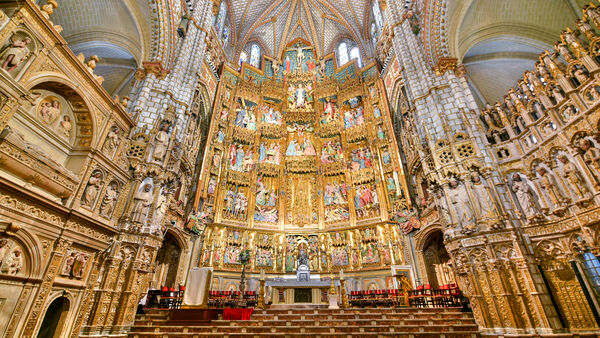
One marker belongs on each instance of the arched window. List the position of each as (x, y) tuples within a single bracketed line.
[(255, 55), (343, 53), (243, 57), (355, 54), (377, 15), (374, 33), (220, 20), (225, 36)]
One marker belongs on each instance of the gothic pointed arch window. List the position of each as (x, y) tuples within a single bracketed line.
[(355, 54), (343, 53), (243, 57), (225, 35), (255, 55), (220, 19), (377, 15), (374, 33)]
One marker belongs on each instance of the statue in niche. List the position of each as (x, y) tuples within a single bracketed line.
[(15, 54), (462, 206), (525, 197), (109, 200), (92, 189), (550, 187), (162, 141), (580, 74), (558, 94), (161, 209), (65, 127), (14, 263), (574, 176), (288, 64), (112, 140), (591, 156), (141, 204), (483, 201), (302, 257)]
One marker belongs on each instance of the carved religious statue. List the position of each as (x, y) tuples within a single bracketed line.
[(525, 197), (109, 200), (112, 140), (591, 156), (574, 176), (162, 141), (550, 187), (462, 206), (302, 257), (482, 198), (14, 54), (92, 188), (141, 204)]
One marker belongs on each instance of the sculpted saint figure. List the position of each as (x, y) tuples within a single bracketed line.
[(14, 263), (141, 204), (524, 196), (162, 140), (591, 156), (89, 195), (574, 176), (550, 187), (483, 202), (462, 205), (109, 200), (112, 140), (14, 54), (65, 127)]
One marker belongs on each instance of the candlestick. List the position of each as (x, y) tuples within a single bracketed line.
[(262, 274)]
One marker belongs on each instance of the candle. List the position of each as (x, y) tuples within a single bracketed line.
[(262, 274), (342, 274)]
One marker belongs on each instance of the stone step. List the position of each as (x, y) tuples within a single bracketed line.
[(308, 329), (455, 334), (353, 322), (350, 316), (360, 310)]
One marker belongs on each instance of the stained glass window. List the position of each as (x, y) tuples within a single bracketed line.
[(220, 20), (255, 55), (374, 33), (243, 58), (225, 36), (355, 54), (343, 53), (377, 15)]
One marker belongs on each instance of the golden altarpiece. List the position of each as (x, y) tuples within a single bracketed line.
[(302, 158)]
